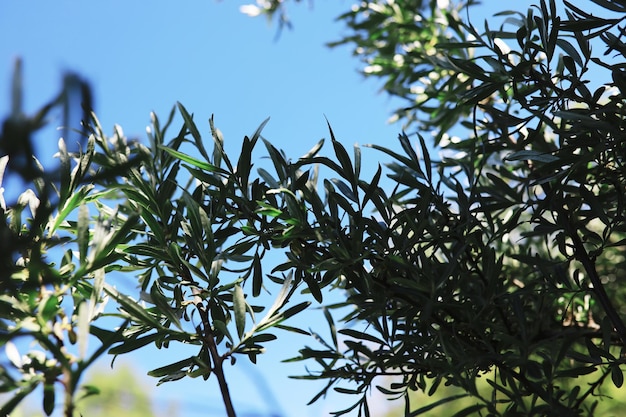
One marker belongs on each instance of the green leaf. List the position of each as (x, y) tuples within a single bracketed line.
[(244, 165), (134, 309), (576, 372), (362, 336), (425, 154), (84, 163), (89, 390), (292, 329), (314, 150), (280, 165), (257, 133), (280, 300), (218, 150), (347, 170), (345, 189), (569, 49), (74, 201), (65, 172), (163, 304), (261, 338), (221, 327), (611, 5), (617, 376), (596, 353), (257, 276), (266, 209), (108, 253), (314, 288), (469, 410), (239, 309), (292, 311), (190, 124), (82, 232), (331, 325), (173, 371), (132, 344), (267, 177), (357, 165), (48, 398), (408, 149), (107, 336), (144, 249), (48, 307), (191, 160), (531, 156)]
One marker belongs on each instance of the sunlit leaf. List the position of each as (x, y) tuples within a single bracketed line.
[(82, 232), (239, 309), (532, 156), (190, 160)]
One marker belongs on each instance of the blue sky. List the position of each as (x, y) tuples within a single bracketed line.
[(204, 54), (146, 56)]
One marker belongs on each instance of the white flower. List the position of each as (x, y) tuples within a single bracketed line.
[(250, 9), (372, 69)]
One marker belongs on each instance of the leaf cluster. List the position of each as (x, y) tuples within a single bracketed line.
[(503, 259), (59, 241), (502, 256)]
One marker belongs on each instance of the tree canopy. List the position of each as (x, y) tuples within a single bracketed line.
[(495, 254)]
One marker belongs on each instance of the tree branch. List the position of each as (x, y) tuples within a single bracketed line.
[(218, 361), (581, 254)]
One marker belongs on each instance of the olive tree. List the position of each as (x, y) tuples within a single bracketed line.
[(499, 260), (496, 259)]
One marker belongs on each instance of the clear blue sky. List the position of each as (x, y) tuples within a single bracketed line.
[(145, 56), (205, 54)]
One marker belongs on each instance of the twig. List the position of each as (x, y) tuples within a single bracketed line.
[(217, 359)]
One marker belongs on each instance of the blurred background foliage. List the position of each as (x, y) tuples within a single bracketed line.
[(612, 403), (120, 392)]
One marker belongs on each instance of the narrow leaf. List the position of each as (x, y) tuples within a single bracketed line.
[(239, 308), (362, 336), (193, 129), (82, 232), (617, 376), (172, 368), (531, 155), (257, 276), (190, 160)]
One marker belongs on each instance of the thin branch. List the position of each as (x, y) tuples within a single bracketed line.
[(218, 361), (583, 256), (593, 387)]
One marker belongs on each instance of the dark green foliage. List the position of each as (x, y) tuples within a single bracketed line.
[(507, 262)]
